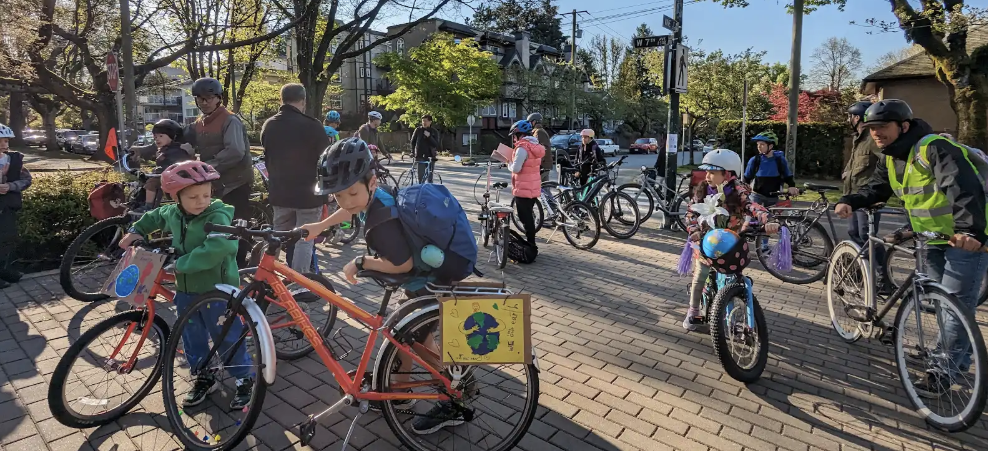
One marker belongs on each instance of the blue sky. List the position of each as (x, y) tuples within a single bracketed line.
[(765, 25)]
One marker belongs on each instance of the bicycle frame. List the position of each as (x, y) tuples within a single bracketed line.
[(270, 272), (722, 280), (663, 202), (821, 207), (149, 309)]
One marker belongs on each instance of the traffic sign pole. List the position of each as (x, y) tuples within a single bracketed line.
[(672, 129), (113, 79)]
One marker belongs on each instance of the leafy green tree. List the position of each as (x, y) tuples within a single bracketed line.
[(440, 77), (639, 86), (716, 90), (539, 17)]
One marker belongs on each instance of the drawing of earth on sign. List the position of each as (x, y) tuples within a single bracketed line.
[(127, 281), (482, 330)]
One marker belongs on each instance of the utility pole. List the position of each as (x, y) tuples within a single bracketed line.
[(572, 61), (672, 140), (127, 61), (794, 59)]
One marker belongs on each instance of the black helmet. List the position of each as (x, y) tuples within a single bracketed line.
[(207, 86), (858, 109), (167, 127), (889, 110), (341, 165), (535, 118)]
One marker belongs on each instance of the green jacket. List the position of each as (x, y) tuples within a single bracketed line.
[(203, 261), (862, 162)]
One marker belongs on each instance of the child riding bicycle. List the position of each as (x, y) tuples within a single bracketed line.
[(203, 261), (395, 242), (732, 196)]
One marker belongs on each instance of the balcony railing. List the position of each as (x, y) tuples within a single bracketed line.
[(159, 100)]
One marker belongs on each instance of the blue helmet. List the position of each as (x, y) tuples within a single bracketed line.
[(333, 116), (521, 127)]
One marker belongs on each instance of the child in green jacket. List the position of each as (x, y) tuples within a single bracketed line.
[(203, 262)]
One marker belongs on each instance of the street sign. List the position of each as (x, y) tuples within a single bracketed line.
[(681, 62), (471, 120), (651, 41), (669, 23), (112, 71)]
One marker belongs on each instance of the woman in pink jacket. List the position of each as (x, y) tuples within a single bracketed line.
[(526, 182)]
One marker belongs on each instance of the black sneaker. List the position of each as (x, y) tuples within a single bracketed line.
[(441, 415), (245, 389), (203, 387), (935, 385)]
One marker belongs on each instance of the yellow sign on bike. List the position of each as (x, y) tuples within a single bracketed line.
[(486, 330)]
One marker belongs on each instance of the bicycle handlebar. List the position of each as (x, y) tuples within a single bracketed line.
[(244, 232)]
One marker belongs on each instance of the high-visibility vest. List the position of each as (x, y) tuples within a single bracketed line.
[(928, 207)]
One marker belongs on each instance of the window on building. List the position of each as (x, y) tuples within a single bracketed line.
[(513, 113), (191, 112), (468, 137), (400, 45), (363, 72), (487, 111), (335, 102), (388, 46), (457, 40), (504, 110)]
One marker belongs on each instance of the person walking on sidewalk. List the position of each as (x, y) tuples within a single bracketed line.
[(425, 147), (292, 144), (14, 179), (369, 133), (942, 192), (543, 136), (768, 171)]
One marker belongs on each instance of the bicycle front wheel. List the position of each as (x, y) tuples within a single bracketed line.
[(351, 230), (848, 291), (646, 204), (501, 243), (91, 257), (741, 348), (811, 247), (946, 388), (204, 420), (406, 178), (501, 400), (619, 214), (581, 226), (88, 388)]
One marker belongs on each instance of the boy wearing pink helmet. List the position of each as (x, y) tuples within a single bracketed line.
[(203, 261)]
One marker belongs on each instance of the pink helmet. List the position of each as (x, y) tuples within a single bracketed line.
[(587, 132), (185, 174)]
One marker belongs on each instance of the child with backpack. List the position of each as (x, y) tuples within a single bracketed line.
[(420, 230), (203, 262), (768, 171)]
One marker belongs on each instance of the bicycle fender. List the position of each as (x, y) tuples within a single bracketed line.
[(401, 324), (264, 338)]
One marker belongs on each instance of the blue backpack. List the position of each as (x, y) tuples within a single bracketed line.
[(430, 215)]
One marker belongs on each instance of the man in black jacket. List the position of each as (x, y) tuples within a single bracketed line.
[(292, 144), (942, 193), (425, 146)]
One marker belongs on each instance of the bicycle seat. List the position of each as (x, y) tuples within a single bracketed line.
[(499, 208), (500, 185), (818, 187), (386, 280), (876, 207)]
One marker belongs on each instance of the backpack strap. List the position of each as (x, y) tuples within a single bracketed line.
[(377, 216)]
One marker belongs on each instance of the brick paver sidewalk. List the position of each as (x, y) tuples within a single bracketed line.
[(618, 370)]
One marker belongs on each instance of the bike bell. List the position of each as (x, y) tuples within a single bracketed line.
[(432, 256)]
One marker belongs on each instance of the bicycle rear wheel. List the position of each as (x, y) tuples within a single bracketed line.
[(619, 214), (210, 422), (537, 212), (91, 257), (88, 390), (920, 357), (581, 226), (646, 204), (848, 291), (503, 399), (501, 242), (811, 248)]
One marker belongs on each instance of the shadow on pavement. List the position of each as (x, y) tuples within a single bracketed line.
[(21, 348)]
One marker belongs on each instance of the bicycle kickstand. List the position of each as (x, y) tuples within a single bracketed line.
[(307, 428)]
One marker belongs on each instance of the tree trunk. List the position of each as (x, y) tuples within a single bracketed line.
[(48, 121), (971, 105), (315, 92), (17, 120), (105, 116)]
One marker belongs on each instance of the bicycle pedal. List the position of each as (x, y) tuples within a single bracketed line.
[(860, 313), (307, 430)]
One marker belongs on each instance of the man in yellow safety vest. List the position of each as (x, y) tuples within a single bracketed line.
[(942, 192)]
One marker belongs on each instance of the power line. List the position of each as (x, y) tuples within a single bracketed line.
[(629, 6)]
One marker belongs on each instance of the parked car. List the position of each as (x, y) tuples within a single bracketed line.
[(607, 146), (647, 145), (565, 144), (86, 144), (35, 138), (67, 137)]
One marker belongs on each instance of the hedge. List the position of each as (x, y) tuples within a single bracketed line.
[(819, 145), (56, 210)]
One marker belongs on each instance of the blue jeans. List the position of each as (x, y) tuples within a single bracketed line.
[(960, 272), (205, 324), (857, 230), (765, 201)]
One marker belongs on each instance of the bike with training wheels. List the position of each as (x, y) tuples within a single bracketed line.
[(429, 407), (737, 324), (949, 394)]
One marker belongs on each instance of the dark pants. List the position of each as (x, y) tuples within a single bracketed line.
[(526, 213), (857, 230), (8, 236), (422, 164), (239, 199)]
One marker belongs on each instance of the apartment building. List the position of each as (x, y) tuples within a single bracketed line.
[(166, 95)]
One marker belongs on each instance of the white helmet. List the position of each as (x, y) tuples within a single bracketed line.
[(722, 159), (374, 115), (6, 132)]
